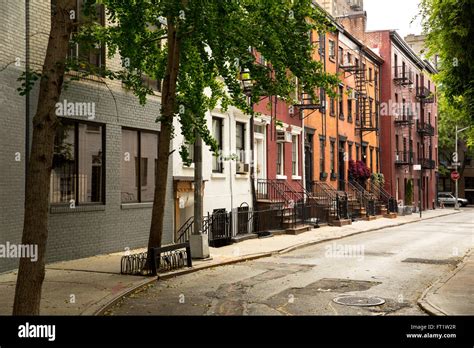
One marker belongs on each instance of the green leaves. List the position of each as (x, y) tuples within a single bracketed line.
[(218, 41), (449, 28)]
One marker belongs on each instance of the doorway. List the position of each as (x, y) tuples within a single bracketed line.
[(308, 162), (341, 166)]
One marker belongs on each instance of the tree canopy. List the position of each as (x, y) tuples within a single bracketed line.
[(449, 29), (217, 42)]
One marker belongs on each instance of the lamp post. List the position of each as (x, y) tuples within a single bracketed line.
[(247, 84), (456, 158)]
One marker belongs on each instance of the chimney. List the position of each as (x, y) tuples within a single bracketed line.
[(355, 24)]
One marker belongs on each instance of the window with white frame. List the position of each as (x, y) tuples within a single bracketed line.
[(280, 158), (217, 124), (294, 155), (240, 141)]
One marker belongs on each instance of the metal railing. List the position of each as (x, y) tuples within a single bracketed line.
[(267, 190), (403, 157), (383, 196), (182, 235)]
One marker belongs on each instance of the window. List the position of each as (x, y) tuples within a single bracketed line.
[(364, 154), (88, 56), (217, 164), (370, 75), (403, 70), (357, 108), (372, 159), (240, 141), (341, 102), (350, 152), (349, 58), (280, 158), (395, 62), (322, 150), (139, 165), (376, 79), (357, 152), (332, 49), (349, 109), (294, 155), (356, 62), (332, 157), (190, 148), (78, 168), (396, 142), (377, 160), (371, 107), (341, 56), (332, 107)]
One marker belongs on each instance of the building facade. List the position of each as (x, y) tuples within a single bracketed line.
[(227, 182), (345, 128), (102, 181), (409, 140)]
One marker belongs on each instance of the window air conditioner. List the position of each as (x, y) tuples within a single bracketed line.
[(284, 137)]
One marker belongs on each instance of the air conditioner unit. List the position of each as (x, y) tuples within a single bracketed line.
[(242, 167), (353, 95), (283, 137)]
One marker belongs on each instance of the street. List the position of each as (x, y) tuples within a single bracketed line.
[(395, 264)]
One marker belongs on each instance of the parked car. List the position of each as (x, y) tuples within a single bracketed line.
[(447, 198)]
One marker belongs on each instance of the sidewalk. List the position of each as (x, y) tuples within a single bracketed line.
[(86, 286), (453, 294)]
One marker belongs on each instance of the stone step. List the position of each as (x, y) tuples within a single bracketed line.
[(298, 229)]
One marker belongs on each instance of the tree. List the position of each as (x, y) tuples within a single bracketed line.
[(449, 28), (35, 226), (206, 46)]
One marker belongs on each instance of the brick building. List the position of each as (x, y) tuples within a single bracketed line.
[(102, 181), (344, 128)]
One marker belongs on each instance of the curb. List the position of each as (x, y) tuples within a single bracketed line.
[(107, 302), (425, 304)]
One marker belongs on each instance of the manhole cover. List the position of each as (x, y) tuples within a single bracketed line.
[(359, 301)]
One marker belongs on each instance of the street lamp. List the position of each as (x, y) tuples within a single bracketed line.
[(456, 205), (247, 84)]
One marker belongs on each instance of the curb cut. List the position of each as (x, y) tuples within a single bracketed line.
[(108, 301), (425, 304)]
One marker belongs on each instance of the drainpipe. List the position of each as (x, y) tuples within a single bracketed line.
[(252, 154)]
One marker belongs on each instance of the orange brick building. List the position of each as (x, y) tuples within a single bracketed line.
[(345, 128)]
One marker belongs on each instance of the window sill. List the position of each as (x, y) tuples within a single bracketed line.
[(188, 167), (218, 176), (296, 177), (241, 176), (281, 177), (60, 209), (126, 206)]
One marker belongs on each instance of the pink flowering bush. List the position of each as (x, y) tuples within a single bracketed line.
[(359, 171)]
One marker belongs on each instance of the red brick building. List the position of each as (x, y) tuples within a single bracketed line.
[(409, 141)]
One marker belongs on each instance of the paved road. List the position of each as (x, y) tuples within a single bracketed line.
[(396, 264)]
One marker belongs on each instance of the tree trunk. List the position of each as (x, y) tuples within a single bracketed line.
[(168, 101), (35, 226)]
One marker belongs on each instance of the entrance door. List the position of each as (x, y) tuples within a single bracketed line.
[(260, 164), (308, 162), (341, 167)]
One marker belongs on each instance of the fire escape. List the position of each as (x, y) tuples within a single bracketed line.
[(424, 128), (404, 115), (365, 117)]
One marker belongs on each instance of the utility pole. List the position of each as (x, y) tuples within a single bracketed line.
[(456, 163), (199, 242)]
